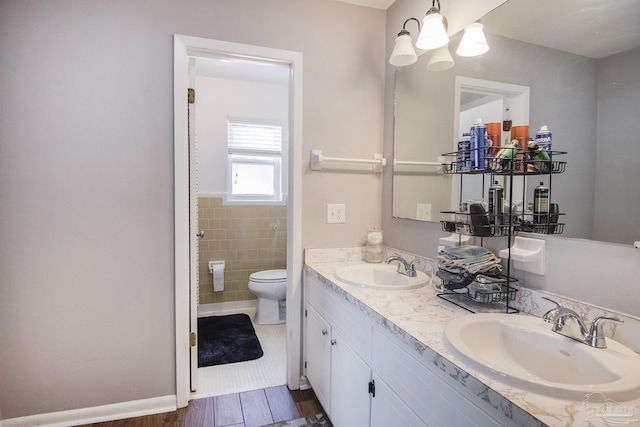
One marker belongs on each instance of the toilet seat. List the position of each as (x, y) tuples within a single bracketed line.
[(268, 276)]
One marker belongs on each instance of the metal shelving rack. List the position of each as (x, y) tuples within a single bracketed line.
[(498, 301)]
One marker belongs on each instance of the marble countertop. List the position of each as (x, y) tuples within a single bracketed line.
[(419, 318)]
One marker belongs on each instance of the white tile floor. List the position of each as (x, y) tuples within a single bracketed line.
[(267, 371)]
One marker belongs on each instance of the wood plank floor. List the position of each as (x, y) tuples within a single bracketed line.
[(248, 409)]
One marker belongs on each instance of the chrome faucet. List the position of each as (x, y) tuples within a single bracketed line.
[(569, 323), (406, 268)]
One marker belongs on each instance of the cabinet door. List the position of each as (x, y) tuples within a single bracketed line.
[(387, 409), (350, 377), (318, 356)]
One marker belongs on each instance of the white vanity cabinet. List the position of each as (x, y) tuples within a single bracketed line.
[(318, 355), (365, 376), (413, 382), (337, 357), (388, 409)]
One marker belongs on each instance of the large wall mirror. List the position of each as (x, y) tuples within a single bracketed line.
[(580, 60)]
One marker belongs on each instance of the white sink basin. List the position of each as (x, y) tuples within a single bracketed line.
[(522, 351), (384, 277)]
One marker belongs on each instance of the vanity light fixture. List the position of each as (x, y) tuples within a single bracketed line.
[(433, 36), (440, 59), (473, 41), (403, 52), (434, 29)]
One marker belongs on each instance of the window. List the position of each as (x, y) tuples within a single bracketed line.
[(255, 161)]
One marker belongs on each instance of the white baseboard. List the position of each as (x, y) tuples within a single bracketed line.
[(96, 414), (205, 310)]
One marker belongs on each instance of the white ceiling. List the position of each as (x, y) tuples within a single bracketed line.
[(378, 4)]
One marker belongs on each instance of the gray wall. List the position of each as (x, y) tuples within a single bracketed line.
[(86, 177), (593, 272), (618, 168)]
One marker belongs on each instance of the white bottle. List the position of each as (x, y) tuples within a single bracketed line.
[(543, 138)]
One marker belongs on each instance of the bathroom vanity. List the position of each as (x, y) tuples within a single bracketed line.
[(379, 358)]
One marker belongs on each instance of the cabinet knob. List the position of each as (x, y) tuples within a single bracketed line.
[(324, 332), (333, 341)]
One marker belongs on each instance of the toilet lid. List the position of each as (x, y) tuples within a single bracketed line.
[(269, 276)]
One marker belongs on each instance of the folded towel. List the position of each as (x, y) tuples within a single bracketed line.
[(463, 252), (473, 265), (458, 266)]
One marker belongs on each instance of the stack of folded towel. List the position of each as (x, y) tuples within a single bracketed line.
[(459, 265)]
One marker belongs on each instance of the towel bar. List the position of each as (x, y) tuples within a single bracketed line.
[(317, 159)]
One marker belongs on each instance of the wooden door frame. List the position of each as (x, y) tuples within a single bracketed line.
[(185, 46)]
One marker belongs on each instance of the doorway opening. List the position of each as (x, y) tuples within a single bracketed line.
[(489, 101), (241, 173), (188, 51)]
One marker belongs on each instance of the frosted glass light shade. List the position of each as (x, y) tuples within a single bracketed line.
[(403, 52), (433, 34), (440, 59), (473, 41)]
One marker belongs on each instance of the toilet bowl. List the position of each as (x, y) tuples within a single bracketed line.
[(270, 286)]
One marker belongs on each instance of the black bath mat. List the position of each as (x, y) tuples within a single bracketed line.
[(227, 339)]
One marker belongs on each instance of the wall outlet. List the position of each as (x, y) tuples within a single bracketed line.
[(336, 214), (423, 212)]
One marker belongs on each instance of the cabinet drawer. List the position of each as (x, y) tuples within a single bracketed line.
[(353, 327), (426, 390)]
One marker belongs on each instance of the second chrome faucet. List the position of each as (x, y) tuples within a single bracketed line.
[(569, 323)]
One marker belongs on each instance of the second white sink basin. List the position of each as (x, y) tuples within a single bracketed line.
[(524, 352), (380, 277)]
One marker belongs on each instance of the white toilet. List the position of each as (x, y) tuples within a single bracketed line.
[(270, 286)]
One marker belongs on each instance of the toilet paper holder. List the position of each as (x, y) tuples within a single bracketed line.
[(212, 264), (216, 268)]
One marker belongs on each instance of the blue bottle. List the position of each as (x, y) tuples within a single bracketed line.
[(479, 146)]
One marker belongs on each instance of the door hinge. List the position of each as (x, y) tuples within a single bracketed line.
[(192, 339), (372, 388), (191, 96), (305, 312), (305, 365)]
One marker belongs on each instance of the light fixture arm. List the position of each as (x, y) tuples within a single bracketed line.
[(404, 30), (435, 9)]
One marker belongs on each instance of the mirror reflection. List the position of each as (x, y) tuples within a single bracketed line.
[(587, 91)]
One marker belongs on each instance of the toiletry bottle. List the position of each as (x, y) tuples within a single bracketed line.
[(493, 135), (543, 138), (496, 205), (541, 204), (503, 160), (479, 145), (539, 158), (521, 133), (463, 156)]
